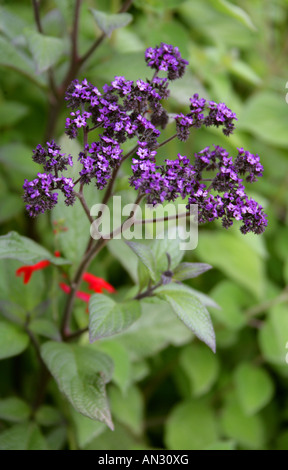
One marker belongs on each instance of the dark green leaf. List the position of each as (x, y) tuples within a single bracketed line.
[(190, 310), (81, 374), (128, 408), (189, 270)]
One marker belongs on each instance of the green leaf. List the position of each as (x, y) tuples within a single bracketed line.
[(81, 374), (109, 22), (46, 328), (232, 299), (12, 58), (48, 416), (157, 4), (86, 429), (106, 317), (122, 375), (190, 426), (145, 254), (10, 207), (200, 366), (189, 270), (12, 112), (222, 445), (157, 328), (168, 243), (14, 410), (57, 437), (255, 119), (17, 298), (128, 408), (13, 340), (190, 310), (46, 51), (10, 24), (254, 387), (235, 257), (129, 261), (16, 157), (204, 299), (22, 437), (244, 72), (248, 431), (273, 336), (15, 246), (234, 11)]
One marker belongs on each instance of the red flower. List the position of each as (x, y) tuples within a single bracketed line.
[(80, 294), (97, 283), (28, 270)]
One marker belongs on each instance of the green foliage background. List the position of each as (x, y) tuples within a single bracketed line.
[(167, 391)]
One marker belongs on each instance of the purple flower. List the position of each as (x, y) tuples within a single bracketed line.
[(51, 158), (218, 115), (167, 58)]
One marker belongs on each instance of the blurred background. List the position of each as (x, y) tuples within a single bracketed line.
[(170, 392)]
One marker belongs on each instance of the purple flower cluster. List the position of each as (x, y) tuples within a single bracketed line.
[(166, 58), (180, 178), (218, 115), (39, 196), (98, 160), (51, 158), (124, 110)]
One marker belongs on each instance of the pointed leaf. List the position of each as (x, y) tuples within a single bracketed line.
[(81, 374), (234, 11), (24, 249), (145, 254), (46, 50), (190, 310), (190, 270), (106, 317), (12, 58), (107, 23)]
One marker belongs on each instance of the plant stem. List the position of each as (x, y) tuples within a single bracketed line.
[(166, 141), (84, 204), (37, 15), (74, 34)]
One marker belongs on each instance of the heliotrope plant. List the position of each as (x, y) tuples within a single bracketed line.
[(123, 111)]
